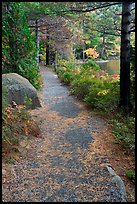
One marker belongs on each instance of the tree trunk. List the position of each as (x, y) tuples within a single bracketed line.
[(37, 41), (102, 52), (47, 51), (50, 53), (52, 56), (55, 61), (83, 54), (125, 58)]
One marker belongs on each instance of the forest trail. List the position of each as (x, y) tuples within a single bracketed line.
[(68, 164)]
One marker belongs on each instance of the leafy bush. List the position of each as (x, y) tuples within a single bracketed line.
[(124, 129), (68, 64), (91, 64), (16, 123), (100, 91), (67, 77), (103, 96), (80, 86)]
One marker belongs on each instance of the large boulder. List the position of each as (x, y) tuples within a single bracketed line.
[(20, 90)]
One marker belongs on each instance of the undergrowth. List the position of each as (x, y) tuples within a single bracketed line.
[(17, 124), (101, 92)]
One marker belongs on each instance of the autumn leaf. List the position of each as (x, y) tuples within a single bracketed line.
[(91, 52)]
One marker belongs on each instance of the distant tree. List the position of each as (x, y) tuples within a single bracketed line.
[(102, 30)]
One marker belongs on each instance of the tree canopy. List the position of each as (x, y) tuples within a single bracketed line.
[(69, 29)]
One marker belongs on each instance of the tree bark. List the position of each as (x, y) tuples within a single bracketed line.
[(37, 41), (50, 53), (47, 51), (102, 52), (125, 58), (52, 56)]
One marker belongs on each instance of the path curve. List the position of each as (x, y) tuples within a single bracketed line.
[(63, 165)]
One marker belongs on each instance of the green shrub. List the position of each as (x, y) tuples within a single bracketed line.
[(80, 86), (103, 96), (96, 87), (68, 64), (67, 77), (100, 91), (124, 129), (90, 65), (131, 175), (93, 65)]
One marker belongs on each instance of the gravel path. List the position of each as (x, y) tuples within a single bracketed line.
[(63, 165)]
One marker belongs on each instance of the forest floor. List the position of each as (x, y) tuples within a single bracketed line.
[(68, 162)]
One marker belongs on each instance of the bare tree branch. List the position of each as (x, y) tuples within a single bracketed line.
[(88, 10)]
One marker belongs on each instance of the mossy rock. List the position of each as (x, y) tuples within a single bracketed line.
[(20, 90)]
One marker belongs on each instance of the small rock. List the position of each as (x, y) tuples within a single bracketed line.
[(105, 165)]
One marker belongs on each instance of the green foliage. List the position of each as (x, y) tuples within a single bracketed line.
[(80, 86), (94, 40), (101, 92), (66, 70), (27, 101), (67, 77), (91, 64), (67, 64), (104, 96), (18, 45), (131, 175), (99, 31), (48, 8), (124, 129)]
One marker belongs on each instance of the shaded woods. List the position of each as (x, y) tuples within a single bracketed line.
[(68, 38)]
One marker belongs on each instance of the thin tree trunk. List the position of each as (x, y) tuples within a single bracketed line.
[(37, 41), (102, 53), (47, 52), (51, 56), (125, 58), (50, 53), (55, 67), (83, 56)]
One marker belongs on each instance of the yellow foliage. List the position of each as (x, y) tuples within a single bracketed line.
[(92, 76), (104, 92), (91, 52)]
